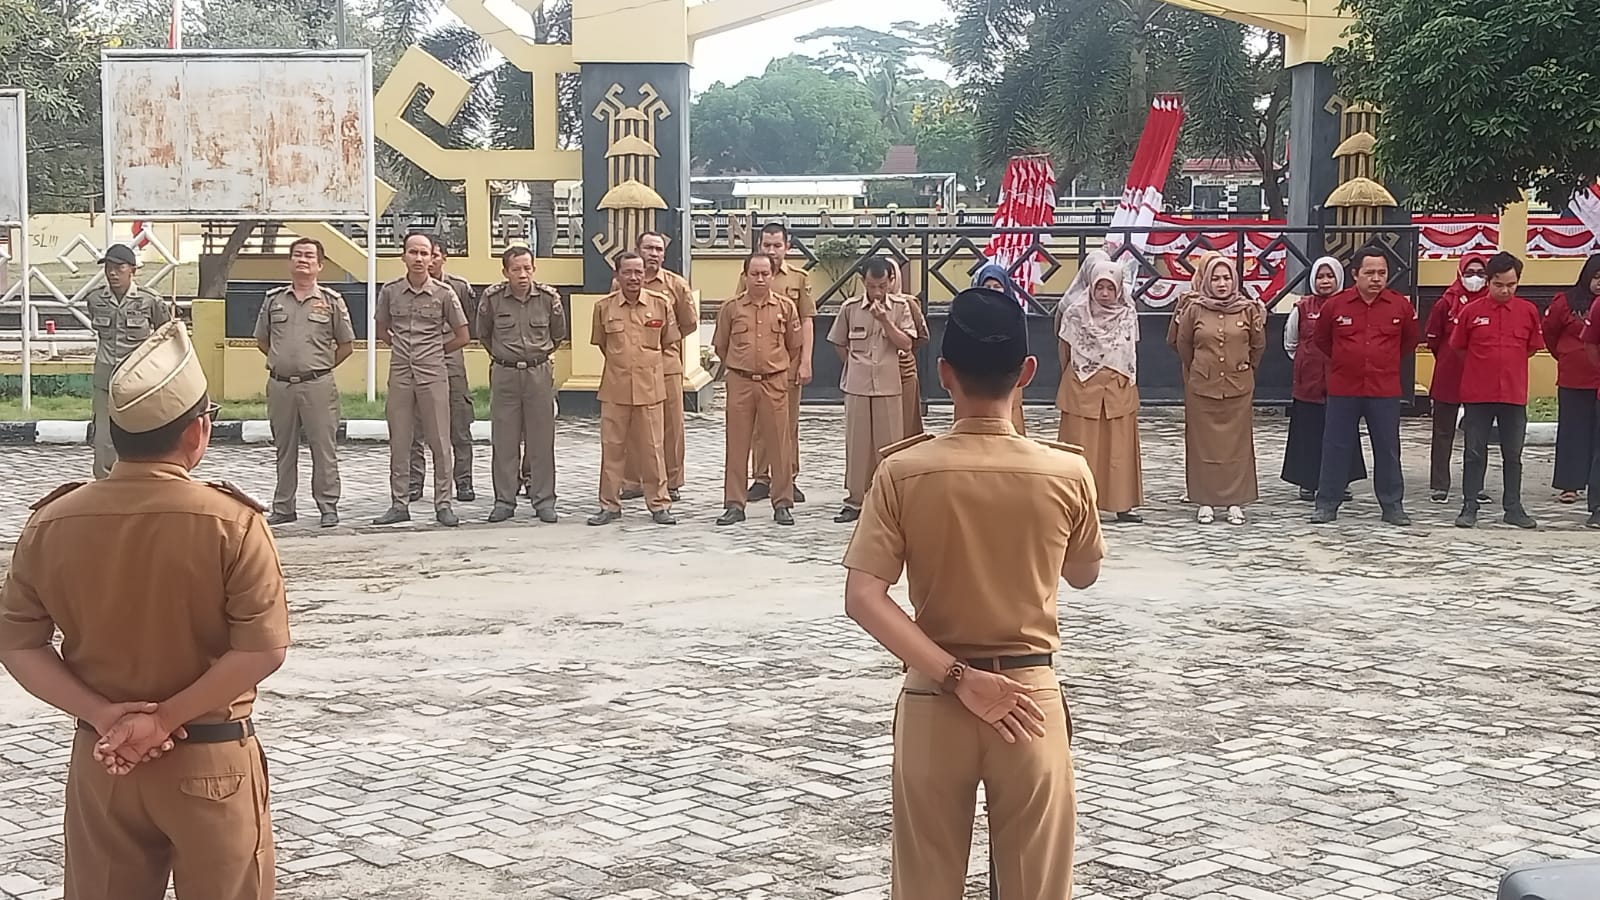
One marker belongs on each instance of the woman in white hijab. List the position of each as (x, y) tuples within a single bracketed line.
[(1099, 395), (1302, 456)]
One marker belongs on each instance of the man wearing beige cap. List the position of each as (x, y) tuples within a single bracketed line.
[(164, 640), (122, 314)]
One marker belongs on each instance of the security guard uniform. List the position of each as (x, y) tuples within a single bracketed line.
[(521, 334), (120, 325), (421, 322), (461, 414)]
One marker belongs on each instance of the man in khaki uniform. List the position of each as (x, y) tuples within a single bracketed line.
[(521, 322), (422, 322), (164, 639), (794, 284), (652, 245), (870, 332), (304, 331), (984, 523), (758, 338), (122, 314), (461, 415), (633, 328)]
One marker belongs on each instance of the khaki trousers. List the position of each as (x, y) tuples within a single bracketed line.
[(941, 754), (461, 416), (763, 452), (757, 414), (870, 424), (105, 455), (411, 407), (522, 419), (311, 409), (672, 444), (911, 403), (632, 432), (198, 815)]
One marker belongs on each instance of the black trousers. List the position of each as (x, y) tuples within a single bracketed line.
[(1579, 416), (1341, 438), (1477, 424), (1302, 455), (1444, 442)]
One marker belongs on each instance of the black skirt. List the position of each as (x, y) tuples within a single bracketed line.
[(1579, 415), (1302, 456)]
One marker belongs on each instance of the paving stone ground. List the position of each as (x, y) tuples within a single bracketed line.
[(641, 712)]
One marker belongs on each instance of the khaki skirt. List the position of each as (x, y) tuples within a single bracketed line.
[(1111, 447), (1219, 450)]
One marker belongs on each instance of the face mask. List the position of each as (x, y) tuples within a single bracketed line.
[(1474, 283)]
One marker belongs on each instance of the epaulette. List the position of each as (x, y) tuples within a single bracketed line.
[(280, 289), (56, 494), (329, 293), (1070, 448), (496, 289), (897, 446), (237, 493), (543, 288)]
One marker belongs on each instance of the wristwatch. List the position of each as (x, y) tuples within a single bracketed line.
[(952, 677)]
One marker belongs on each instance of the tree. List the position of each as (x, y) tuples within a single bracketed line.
[(946, 141), (55, 58), (792, 120), (1480, 99), (1236, 95), (882, 62)]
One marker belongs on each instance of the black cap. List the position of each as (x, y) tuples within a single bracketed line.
[(986, 333), (120, 253)]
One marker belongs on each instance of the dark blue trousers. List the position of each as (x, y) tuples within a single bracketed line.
[(1341, 439)]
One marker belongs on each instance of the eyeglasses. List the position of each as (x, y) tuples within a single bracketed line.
[(212, 410)]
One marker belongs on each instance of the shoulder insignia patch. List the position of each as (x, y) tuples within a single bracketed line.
[(237, 493), (329, 293), (56, 494), (897, 446), (281, 290), (496, 289), (546, 289), (1070, 448)]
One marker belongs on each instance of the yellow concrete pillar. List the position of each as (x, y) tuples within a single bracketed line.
[(1514, 228), (209, 335), (585, 362)]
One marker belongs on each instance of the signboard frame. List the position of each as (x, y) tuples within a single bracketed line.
[(17, 99)]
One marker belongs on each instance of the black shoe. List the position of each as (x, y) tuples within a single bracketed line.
[(415, 495), (1483, 496), (759, 491), (632, 494), (799, 495), (446, 516), (1307, 495), (330, 519), (1468, 518), (394, 516), (733, 515), (500, 513), (1594, 520), (547, 515), (847, 515), (1520, 519), (1440, 496), (1130, 517), (663, 517), (466, 495), (604, 517), (282, 518), (1323, 516), (783, 516), (1348, 496), (1397, 517), (675, 494)]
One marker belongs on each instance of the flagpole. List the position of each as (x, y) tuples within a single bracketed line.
[(175, 31)]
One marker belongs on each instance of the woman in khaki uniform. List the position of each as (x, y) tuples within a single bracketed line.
[(1099, 397), (1221, 336)]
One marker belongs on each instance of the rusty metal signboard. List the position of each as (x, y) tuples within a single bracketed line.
[(13, 159), (250, 134)]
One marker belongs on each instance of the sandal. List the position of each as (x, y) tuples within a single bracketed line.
[(1235, 516), (1568, 497), (1206, 516)]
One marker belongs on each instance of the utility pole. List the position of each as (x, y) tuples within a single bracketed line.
[(340, 34)]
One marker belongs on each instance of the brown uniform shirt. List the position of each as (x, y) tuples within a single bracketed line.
[(794, 284), (120, 326), (1221, 351), (182, 573), (634, 335), (872, 361), (421, 321), (908, 358), (1107, 394), (303, 333), (981, 520), (758, 338), (521, 329)]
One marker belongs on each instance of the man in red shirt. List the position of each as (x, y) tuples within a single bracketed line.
[(1496, 336), (1366, 332), (1591, 344)]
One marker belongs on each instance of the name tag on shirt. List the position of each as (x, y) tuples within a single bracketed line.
[(1481, 320), (857, 334), (1345, 320)]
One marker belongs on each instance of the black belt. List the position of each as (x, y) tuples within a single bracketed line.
[(522, 364), (298, 379), (1002, 663), (218, 733), (756, 377)]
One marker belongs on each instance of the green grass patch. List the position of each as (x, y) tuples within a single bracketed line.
[(1542, 409), (77, 408)]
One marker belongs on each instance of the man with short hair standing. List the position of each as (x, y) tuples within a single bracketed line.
[(869, 333), (521, 323), (461, 414), (652, 245), (122, 314), (1366, 332), (1496, 336), (414, 315), (793, 283), (304, 331)]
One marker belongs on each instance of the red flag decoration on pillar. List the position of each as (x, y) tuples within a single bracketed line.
[(1027, 200), (1141, 199)]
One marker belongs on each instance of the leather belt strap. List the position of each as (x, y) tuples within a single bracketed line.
[(1002, 663), (216, 733), (755, 376), (521, 364), (300, 379)]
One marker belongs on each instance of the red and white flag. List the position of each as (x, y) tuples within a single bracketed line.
[(1027, 200), (1141, 198), (1586, 206)]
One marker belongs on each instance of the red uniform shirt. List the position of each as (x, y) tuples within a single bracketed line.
[(1563, 335), (1366, 342), (1446, 386), (1591, 332), (1496, 340)]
